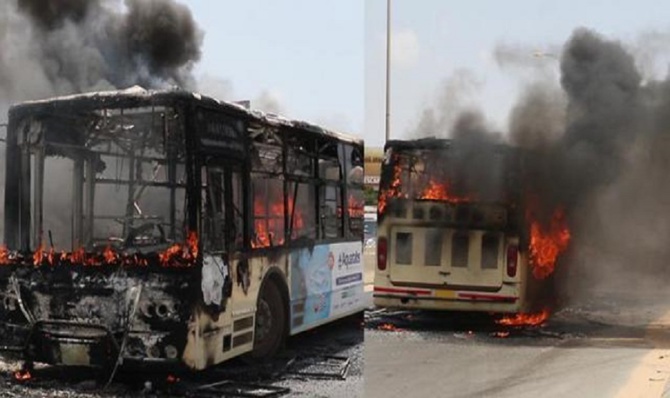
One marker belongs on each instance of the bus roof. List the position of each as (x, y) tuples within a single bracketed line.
[(137, 96)]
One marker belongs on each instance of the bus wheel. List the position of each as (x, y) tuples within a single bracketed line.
[(270, 330)]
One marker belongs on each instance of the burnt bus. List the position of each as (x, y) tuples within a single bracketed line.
[(453, 232), (168, 228)]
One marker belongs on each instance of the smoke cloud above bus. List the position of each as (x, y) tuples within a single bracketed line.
[(65, 47), (599, 137)]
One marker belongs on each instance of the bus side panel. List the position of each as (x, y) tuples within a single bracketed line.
[(326, 284), (216, 337)]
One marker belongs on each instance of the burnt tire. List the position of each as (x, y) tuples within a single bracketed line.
[(271, 327)]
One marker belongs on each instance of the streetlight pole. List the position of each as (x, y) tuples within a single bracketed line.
[(388, 69)]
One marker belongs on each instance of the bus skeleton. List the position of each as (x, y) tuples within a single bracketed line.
[(147, 228)]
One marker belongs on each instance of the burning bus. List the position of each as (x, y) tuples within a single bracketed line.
[(458, 230), (168, 228)]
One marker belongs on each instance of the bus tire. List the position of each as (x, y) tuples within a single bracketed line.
[(270, 328)]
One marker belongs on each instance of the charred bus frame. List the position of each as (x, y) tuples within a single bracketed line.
[(166, 257)]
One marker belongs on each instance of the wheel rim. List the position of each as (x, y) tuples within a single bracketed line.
[(263, 321)]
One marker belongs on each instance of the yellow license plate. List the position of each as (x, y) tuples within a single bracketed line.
[(445, 294)]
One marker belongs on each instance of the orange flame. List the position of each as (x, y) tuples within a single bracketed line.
[(38, 256), (546, 245), (356, 207), (432, 191), (389, 327), (192, 243), (298, 221), (525, 319), (270, 222), (170, 253), (501, 335), (78, 256), (51, 256), (4, 255), (109, 255), (393, 190), (22, 375), (187, 252), (437, 191)]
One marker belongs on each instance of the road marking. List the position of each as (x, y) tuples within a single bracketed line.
[(650, 376)]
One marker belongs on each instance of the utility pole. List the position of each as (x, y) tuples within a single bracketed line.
[(388, 69)]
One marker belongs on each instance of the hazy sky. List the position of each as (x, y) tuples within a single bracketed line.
[(435, 40), (306, 54)]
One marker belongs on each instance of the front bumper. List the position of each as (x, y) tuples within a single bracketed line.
[(66, 343)]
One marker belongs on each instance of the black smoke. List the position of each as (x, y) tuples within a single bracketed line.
[(49, 14), (59, 47), (597, 140), (162, 33)]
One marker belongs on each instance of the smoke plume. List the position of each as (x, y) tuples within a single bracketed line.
[(597, 137), (538, 117), (268, 101), (59, 47), (522, 58), (456, 96)]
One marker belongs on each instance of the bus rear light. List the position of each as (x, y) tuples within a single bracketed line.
[(382, 250), (512, 259)]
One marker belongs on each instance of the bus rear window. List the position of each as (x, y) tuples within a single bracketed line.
[(445, 174)]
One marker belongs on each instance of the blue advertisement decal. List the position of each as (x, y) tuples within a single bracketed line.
[(311, 281), (326, 282)]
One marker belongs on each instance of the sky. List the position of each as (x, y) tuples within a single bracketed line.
[(305, 55), (434, 41)]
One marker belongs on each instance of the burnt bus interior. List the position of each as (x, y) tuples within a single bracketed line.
[(111, 198), (96, 172), (472, 200), (321, 177), (474, 187)]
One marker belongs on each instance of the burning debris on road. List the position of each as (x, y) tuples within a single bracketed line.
[(525, 319), (389, 327)]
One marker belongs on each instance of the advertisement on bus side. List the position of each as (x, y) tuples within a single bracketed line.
[(326, 282)]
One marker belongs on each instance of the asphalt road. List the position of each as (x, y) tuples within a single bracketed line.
[(306, 368), (606, 346)]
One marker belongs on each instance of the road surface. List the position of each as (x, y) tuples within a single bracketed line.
[(606, 346)]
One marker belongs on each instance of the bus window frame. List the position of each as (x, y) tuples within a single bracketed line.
[(233, 235)]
